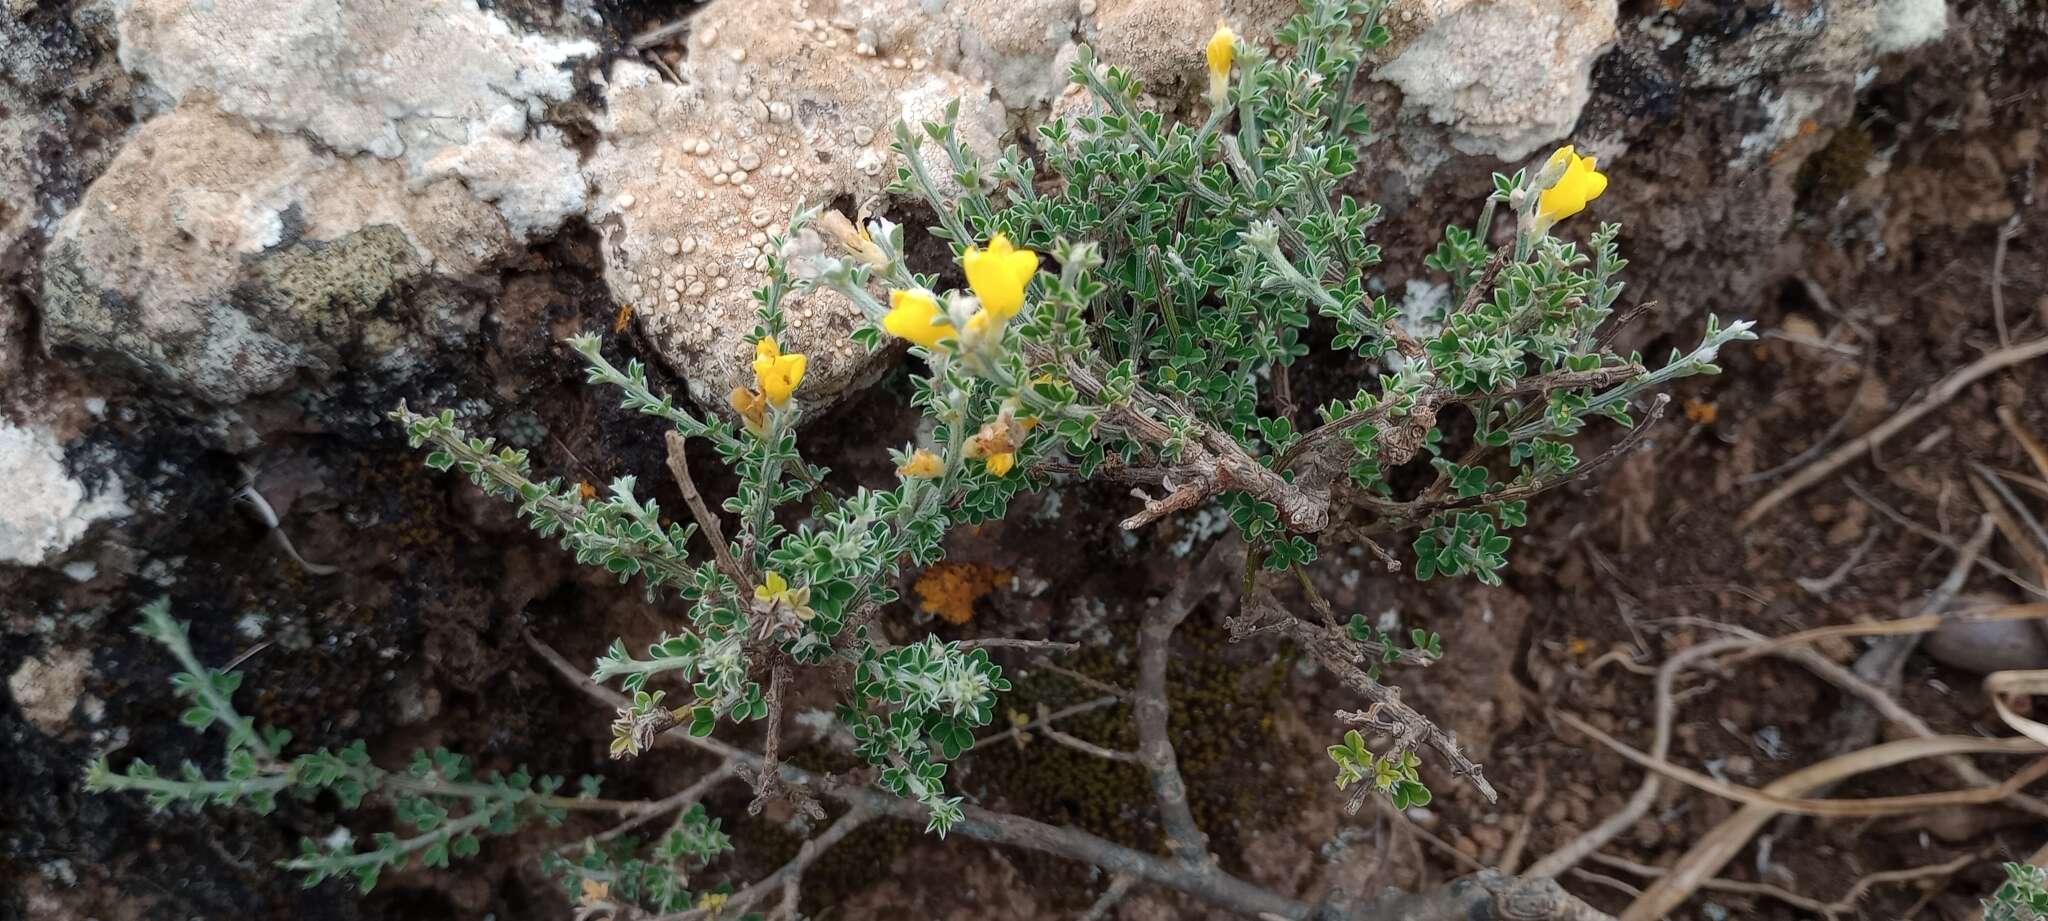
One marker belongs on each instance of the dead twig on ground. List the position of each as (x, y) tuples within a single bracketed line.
[(1948, 389), (1043, 720), (1718, 846), (1876, 756), (1846, 904), (1941, 539), (1638, 805), (2005, 234)]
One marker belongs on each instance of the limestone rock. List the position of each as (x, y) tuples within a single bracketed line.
[(440, 85), (1161, 41), (46, 687), (1506, 76), (774, 113), (47, 509), (1015, 46), (222, 262)]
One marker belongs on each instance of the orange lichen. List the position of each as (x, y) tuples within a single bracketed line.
[(949, 590)]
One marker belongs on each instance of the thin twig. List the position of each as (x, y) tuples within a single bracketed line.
[(674, 802), (1149, 710), (1944, 540), (1001, 642), (1118, 887), (737, 904), (1868, 759), (1948, 389), (1568, 856), (1043, 720), (1843, 905), (1080, 744), (2005, 235), (707, 521)]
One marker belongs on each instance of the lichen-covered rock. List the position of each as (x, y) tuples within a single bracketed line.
[(47, 509), (221, 262), (1159, 41), (775, 113), (441, 85), (1506, 76)]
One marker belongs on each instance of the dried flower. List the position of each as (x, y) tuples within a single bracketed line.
[(751, 408), (914, 315), (923, 465), (999, 275), (1580, 183), (777, 374)]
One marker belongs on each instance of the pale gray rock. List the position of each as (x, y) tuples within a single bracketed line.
[(692, 180), (1505, 76), (47, 509), (442, 86), (219, 261)]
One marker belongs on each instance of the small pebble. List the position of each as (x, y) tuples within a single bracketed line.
[(749, 161), (626, 201), (671, 246)]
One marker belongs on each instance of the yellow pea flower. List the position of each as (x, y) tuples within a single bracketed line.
[(1222, 52), (772, 586), (914, 315), (776, 374), (923, 465), (1000, 464), (774, 591), (998, 275), (1581, 183)]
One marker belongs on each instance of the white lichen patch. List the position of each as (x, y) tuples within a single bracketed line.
[(47, 509)]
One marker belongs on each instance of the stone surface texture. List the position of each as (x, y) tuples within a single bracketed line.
[(1506, 76), (443, 86), (694, 178), (47, 509), (221, 261)]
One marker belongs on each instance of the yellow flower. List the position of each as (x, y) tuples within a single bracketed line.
[(772, 587), (998, 275), (1222, 51), (923, 465), (776, 373), (752, 410), (1000, 464), (914, 315), (774, 592), (1581, 183)]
